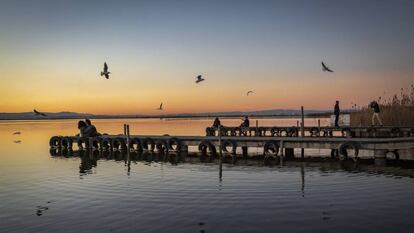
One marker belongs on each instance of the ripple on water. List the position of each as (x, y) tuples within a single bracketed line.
[(190, 197)]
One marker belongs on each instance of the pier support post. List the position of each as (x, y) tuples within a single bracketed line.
[(184, 148), (281, 147), (244, 151), (289, 153), (380, 157)]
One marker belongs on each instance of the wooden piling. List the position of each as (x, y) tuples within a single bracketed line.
[(128, 148), (302, 125), (302, 130), (219, 139), (244, 151), (319, 127)]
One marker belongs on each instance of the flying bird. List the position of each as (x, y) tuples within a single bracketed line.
[(249, 92), (160, 107), (38, 113), (17, 141), (105, 71), (16, 133), (325, 68), (199, 79)]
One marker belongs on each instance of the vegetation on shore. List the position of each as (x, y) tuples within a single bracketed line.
[(397, 110)]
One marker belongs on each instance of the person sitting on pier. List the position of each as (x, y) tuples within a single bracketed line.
[(216, 123), (82, 127), (376, 108), (336, 112), (90, 129), (246, 122)]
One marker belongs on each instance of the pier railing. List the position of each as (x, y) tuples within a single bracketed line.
[(326, 131)]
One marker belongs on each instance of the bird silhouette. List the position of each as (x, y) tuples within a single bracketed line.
[(249, 92), (325, 68), (199, 79), (160, 107), (38, 113), (16, 133), (105, 71)]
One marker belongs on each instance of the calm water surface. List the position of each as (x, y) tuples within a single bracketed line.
[(44, 193)]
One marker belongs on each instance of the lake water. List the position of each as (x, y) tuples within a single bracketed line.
[(44, 193)]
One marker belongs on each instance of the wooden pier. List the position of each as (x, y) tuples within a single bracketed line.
[(233, 140)]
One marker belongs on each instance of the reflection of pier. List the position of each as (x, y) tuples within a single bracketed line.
[(89, 160)]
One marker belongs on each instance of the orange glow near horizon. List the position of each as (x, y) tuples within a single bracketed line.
[(137, 95)]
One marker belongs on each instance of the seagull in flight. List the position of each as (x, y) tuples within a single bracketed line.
[(199, 79), (105, 71), (249, 92), (160, 108), (325, 68), (38, 113)]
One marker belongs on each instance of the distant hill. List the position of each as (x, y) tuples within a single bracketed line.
[(74, 115), (32, 116)]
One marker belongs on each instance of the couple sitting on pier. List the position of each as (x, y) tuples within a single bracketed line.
[(245, 123), (87, 129)]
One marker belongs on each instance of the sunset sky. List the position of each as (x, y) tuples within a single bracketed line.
[(52, 52)]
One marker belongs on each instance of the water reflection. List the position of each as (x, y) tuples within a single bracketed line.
[(89, 158)]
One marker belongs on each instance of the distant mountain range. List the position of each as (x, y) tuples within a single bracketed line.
[(74, 115)]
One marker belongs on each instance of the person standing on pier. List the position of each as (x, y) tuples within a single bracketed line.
[(376, 108), (336, 112)]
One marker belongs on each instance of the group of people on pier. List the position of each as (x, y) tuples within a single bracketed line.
[(86, 129), (373, 105), (337, 111), (245, 122)]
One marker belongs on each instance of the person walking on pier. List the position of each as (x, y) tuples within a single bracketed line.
[(376, 108), (216, 123), (336, 112)]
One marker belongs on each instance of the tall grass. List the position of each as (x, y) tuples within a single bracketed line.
[(397, 110)]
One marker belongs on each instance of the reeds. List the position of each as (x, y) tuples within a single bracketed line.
[(397, 110)]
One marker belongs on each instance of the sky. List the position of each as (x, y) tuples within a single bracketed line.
[(52, 52)]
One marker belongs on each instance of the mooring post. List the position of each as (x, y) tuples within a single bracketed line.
[(319, 127), (219, 140), (128, 149), (302, 130), (127, 135), (302, 125)]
